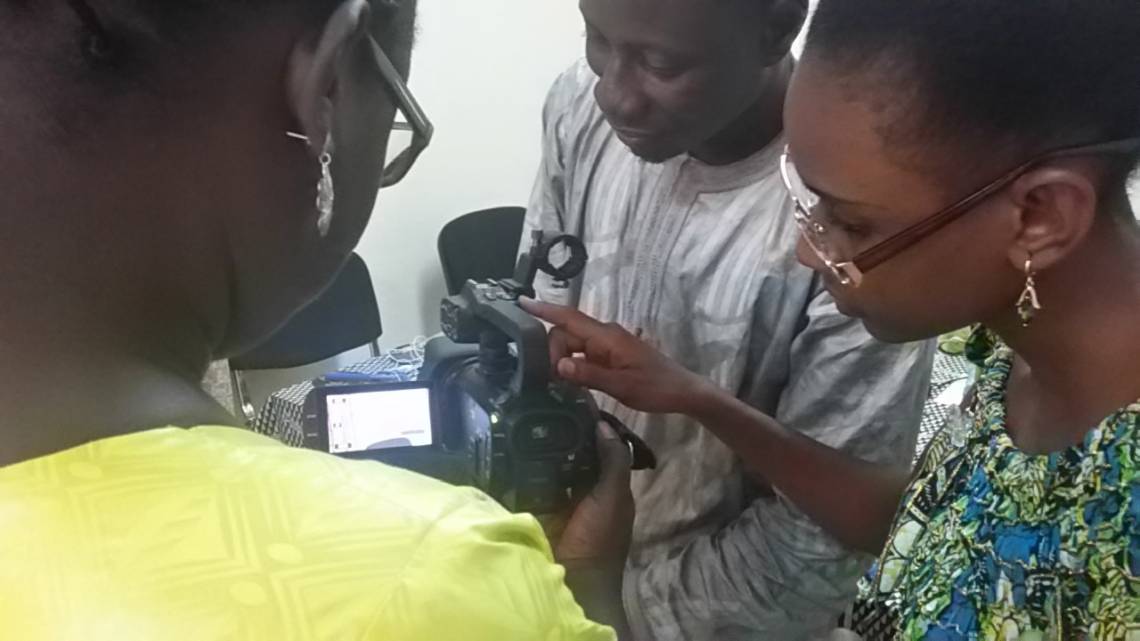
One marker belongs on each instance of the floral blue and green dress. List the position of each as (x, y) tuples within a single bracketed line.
[(993, 543)]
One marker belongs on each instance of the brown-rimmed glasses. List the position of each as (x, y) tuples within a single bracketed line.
[(851, 270)]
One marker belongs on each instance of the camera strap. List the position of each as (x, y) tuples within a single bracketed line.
[(641, 454)]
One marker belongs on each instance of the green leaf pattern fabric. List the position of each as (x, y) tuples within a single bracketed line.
[(991, 543)]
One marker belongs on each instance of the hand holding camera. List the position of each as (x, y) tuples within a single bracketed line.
[(596, 531)]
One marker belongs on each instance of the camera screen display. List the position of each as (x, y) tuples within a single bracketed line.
[(379, 420)]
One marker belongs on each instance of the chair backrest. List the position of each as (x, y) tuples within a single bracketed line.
[(344, 317), (480, 245)]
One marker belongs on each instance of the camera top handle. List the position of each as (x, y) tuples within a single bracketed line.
[(488, 313)]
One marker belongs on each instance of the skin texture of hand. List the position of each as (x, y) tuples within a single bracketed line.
[(592, 542), (599, 528), (608, 358)]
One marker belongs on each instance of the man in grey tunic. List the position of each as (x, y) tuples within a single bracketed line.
[(662, 152)]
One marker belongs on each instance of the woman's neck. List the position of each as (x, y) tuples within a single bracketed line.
[(114, 300), (1079, 361), (72, 373)]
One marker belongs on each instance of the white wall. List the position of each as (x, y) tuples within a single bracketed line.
[(481, 71)]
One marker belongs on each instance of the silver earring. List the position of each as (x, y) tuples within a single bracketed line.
[(1028, 305), (326, 195)]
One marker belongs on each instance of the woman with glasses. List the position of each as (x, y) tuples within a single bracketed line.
[(178, 178), (956, 163)]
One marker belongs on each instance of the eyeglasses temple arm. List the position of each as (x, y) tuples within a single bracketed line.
[(890, 247), (419, 121)]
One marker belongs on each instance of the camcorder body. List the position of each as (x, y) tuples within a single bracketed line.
[(530, 439), (499, 420), (533, 451)]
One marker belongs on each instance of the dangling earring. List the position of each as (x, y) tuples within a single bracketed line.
[(1028, 305), (326, 194)]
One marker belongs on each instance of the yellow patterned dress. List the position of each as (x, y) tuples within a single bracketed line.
[(992, 543), (218, 533)]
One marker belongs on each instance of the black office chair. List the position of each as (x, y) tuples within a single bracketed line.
[(344, 317), (480, 245)]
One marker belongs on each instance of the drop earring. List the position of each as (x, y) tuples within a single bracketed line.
[(326, 194), (1028, 305)]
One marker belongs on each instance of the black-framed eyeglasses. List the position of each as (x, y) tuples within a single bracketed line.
[(415, 120), (850, 269)]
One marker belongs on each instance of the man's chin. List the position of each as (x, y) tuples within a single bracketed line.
[(651, 151), (654, 156)]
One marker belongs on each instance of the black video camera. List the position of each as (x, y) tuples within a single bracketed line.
[(529, 440)]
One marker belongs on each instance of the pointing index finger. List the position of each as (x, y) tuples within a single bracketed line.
[(572, 320)]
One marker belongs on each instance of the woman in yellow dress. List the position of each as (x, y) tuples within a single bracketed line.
[(178, 178)]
